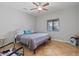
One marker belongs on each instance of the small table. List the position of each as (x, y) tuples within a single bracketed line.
[(77, 39), (13, 52)]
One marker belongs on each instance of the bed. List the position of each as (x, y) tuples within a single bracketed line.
[(33, 40)]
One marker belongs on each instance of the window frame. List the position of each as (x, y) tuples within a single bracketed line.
[(53, 25)]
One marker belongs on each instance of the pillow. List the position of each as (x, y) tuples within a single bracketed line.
[(27, 32), (20, 32)]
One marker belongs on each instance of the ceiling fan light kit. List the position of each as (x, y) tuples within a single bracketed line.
[(40, 7)]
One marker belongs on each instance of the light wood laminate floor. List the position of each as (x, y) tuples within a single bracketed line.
[(52, 48)]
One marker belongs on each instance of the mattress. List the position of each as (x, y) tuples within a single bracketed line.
[(33, 40)]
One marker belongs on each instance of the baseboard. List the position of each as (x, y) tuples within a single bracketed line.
[(61, 40)]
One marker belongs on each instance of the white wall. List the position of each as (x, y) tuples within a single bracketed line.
[(67, 19), (12, 19), (78, 19)]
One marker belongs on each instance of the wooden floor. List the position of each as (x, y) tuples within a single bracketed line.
[(53, 48)]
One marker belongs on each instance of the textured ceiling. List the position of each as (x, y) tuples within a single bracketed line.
[(53, 6)]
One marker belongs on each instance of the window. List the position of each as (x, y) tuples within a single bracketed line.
[(53, 25)]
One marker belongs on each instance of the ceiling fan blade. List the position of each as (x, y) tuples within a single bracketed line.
[(35, 3), (33, 8), (45, 9), (45, 4), (39, 3)]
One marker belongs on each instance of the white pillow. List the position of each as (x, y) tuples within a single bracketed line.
[(20, 32)]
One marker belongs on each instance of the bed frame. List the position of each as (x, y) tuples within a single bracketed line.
[(34, 51)]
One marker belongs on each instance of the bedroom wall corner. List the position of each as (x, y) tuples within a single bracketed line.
[(12, 20), (67, 24)]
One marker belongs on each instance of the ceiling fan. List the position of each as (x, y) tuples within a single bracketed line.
[(39, 6)]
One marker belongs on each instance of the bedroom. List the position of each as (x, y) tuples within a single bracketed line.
[(16, 17)]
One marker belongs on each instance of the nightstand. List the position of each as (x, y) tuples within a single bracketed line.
[(76, 39)]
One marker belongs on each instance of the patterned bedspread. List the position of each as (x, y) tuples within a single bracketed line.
[(33, 40)]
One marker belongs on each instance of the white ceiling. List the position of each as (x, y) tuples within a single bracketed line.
[(53, 6)]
